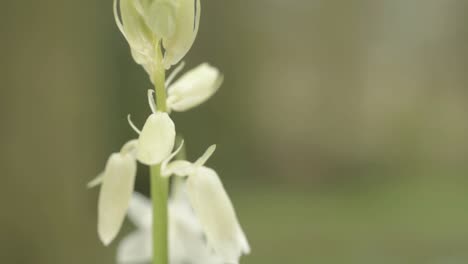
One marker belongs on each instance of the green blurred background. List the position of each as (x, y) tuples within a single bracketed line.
[(341, 126)]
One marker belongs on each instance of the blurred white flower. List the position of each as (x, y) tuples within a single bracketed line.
[(144, 23), (193, 88), (117, 183), (212, 206), (186, 240)]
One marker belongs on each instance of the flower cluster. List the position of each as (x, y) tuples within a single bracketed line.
[(203, 226)]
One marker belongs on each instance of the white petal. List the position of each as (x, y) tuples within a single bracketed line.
[(130, 148), (187, 20), (156, 139), (187, 244), (96, 181), (194, 87), (135, 248), (138, 35), (174, 73), (144, 60), (114, 197), (216, 214), (160, 17), (164, 170), (140, 211), (183, 167), (204, 158), (179, 168)]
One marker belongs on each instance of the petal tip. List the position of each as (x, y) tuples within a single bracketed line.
[(105, 238)]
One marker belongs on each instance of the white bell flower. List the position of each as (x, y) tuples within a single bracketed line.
[(212, 206), (193, 88), (144, 23), (157, 137), (186, 242), (117, 183), (156, 140)]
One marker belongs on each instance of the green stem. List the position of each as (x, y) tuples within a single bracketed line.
[(159, 193), (159, 77), (159, 184)]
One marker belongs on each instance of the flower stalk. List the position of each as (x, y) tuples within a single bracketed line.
[(159, 184), (159, 78), (159, 195)]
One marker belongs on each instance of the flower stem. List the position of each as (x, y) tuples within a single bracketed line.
[(159, 193), (159, 77), (159, 184)]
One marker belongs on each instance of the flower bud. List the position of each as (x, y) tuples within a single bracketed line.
[(179, 42), (194, 88), (146, 22)]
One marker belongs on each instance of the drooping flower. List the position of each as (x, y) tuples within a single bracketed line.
[(193, 88), (117, 183), (186, 241), (157, 137), (212, 206), (145, 23), (156, 140)]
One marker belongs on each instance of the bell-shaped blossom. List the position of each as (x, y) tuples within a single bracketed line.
[(145, 23), (212, 207), (193, 88), (186, 241), (216, 212), (156, 139), (117, 183)]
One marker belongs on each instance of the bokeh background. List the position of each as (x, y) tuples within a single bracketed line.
[(342, 126)]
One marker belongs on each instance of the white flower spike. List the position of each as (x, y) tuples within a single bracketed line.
[(117, 185), (194, 87), (212, 207), (157, 137), (187, 244), (207, 231)]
